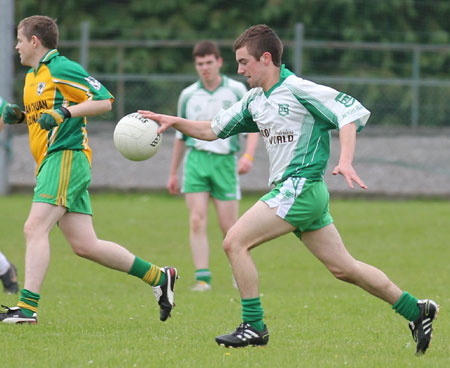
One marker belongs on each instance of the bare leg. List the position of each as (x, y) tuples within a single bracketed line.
[(227, 214), (326, 244), (197, 204), (41, 220), (258, 225), (79, 232)]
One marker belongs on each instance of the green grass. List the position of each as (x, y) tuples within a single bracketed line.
[(90, 316)]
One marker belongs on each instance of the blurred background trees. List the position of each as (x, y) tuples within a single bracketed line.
[(383, 21)]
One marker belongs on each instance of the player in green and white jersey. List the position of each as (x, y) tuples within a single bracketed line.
[(210, 168), (294, 117)]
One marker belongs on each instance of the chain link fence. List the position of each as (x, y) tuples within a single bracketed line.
[(406, 86), (402, 84)]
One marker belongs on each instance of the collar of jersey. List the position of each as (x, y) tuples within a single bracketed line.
[(284, 73), (47, 57), (222, 83)]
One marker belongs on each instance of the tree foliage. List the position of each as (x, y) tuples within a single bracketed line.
[(420, 21), (387, 21), (417, 21)]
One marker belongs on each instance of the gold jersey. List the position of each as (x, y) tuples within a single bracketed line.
[(58, 81)]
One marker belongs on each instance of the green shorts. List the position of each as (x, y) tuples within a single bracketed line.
[(210, 172), (301, 202), (63, 179)]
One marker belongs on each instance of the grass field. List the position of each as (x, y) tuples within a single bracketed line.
[(90, 316)]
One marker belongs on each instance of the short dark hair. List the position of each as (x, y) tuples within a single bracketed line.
[(204, 48), (260, 39), (42, 27)]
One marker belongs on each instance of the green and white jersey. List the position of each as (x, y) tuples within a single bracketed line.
[(197, 103), (2, 105), (294, 118)]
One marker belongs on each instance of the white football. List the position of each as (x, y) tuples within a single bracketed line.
[(136, 137)]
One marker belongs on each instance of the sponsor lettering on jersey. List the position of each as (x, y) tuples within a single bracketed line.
[(33, 110), (352, 111), (280, 137)]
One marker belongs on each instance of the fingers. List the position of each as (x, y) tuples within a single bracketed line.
[(149, 115), (358, 181), (163, 126), (172, 191), (349, 181), (243, 168), (350, 176)]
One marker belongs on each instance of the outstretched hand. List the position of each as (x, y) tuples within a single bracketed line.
[(12, 114), (244, 165), (349, 174), (164, 121)]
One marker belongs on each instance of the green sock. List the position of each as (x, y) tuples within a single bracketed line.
[(28, 302), (407, 306), (252, 313), (150, 273), (203, 274)]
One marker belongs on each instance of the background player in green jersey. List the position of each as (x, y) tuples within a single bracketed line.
[(210, 168), (58, 95), (8, 272), (294, 117), (3, 103)]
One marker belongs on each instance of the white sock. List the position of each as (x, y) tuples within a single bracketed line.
[(4, 264)]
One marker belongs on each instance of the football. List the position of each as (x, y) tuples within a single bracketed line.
[(136, 137)]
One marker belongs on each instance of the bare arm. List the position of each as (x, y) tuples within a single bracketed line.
[(177, 155), (195, 129), (246, 161), (90, 108), (347, 137)]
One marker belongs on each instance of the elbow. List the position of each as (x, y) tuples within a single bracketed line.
[(108, 105), (210, 138)]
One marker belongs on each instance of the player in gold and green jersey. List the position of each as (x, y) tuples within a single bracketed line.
[(58, 95)]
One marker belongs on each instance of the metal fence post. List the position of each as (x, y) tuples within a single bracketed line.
[(84, 44), (298, 48), (120, 98), (6, 81), (415, 104)]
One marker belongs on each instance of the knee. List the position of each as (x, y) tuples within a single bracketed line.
[(30, 229), (81, 249), (347, 274), (197, 222), (227, 244), (232, 243)]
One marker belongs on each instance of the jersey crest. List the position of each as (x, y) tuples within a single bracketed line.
[(226, 104), (40, 88), (345, 99), (283, 109)]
